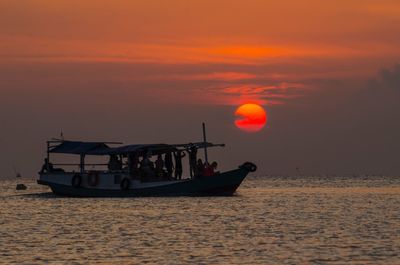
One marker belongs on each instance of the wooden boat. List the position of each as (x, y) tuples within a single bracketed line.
[(127, 179)]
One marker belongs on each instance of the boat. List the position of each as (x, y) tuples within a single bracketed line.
[(122, 176)]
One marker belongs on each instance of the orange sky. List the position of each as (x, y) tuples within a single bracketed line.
[(325, 38), (198, 31)]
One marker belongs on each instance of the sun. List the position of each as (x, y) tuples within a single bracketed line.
[(251, 117)]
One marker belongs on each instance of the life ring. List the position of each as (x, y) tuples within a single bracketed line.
[(249, 166), (76, 181), (93, 179), (125, 183)]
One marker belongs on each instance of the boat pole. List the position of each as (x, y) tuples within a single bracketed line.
[(48, 150), (205, 143)]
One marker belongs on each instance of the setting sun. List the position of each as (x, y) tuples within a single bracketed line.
[(252, 117)]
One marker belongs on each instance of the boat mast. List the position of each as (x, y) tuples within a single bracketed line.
[(48, 150), (205, 143), (82, 163)]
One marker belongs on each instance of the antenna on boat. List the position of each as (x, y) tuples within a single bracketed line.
[(205, 143)]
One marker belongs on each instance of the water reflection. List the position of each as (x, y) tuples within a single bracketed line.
[(272, 220)]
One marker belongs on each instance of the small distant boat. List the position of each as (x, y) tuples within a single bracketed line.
[(21, 186), (128, 177)]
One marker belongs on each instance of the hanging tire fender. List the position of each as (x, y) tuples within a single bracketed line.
[(76, 181), (251, 167), (125, 184), (93, 179)]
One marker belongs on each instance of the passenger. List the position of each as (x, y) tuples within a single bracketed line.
[(134, 163), (118, 163), (209, 170), (159, 166), (151, 164), (47, 166), (146, 168), (178, 163), (199, 168), (113, 163), (169, 164), (214, 166), (192, 160)]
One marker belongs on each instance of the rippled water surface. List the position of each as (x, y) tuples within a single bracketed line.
[(271, 220)]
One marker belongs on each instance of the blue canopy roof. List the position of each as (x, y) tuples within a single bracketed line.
[(142, 148), (99, 148), (80, 148)]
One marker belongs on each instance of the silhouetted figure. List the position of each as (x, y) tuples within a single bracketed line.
[(47, 166), (199, 168), (214, 166), (119, 163), (210, 170), (192, 160), (159, 166), (169, 164), (114, 163), (134, 166), (147, 168), (178, 163)]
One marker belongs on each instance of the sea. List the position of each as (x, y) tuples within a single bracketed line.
[(270, 220)]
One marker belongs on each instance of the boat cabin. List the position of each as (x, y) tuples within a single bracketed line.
[(138, 162)]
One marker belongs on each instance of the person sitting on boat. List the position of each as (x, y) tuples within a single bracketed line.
[(159, 166), (178, 163), (147, 168), (47, 166), (134, 163), (209, 170), (214, 166), (114, 163), (168, 164), (199, 171), (119, 163)]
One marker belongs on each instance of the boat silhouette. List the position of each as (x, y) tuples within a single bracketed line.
[(125, 176)]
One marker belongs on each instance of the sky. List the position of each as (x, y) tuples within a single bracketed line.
[(326, 72)]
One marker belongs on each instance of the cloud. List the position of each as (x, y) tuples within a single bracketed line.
[(389, 78), (343, 127), (46, 49), (214, 76), (263, 94)]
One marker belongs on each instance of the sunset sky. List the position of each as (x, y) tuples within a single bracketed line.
[(327, 73)]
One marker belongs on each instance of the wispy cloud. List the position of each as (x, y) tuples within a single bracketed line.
[(15, 48), (214, 76), (261, 94)]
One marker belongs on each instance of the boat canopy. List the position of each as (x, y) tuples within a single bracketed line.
[(79, 148), (101, 148), (154, 149)]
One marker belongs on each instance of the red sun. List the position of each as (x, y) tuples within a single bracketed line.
[(252, 117)]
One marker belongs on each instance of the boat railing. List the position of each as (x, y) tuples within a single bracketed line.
[(86, 171), (77, 165), (59, 168)]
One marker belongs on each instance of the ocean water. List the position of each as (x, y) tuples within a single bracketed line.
[(271, 220)]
